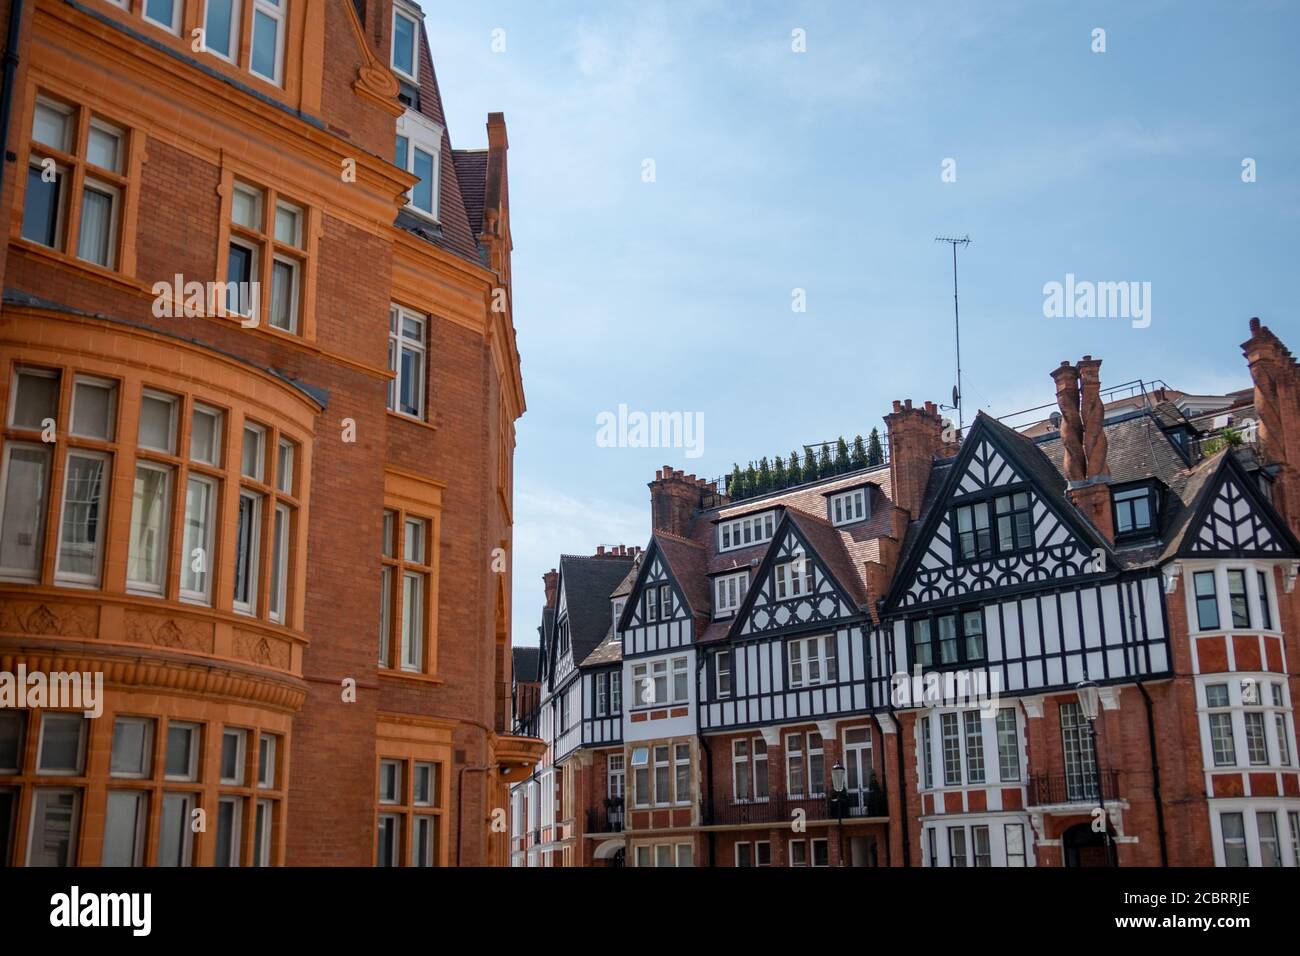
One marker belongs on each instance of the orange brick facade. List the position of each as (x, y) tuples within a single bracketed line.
[(198, 134)]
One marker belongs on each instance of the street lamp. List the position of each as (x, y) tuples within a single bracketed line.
[(839, 797), (1090, 704)]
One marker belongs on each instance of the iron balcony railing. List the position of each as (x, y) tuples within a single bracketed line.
[(859, 803), (606, 819), (1047, 789)]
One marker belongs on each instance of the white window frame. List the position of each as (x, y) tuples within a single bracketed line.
[(398, 316), (236, 15), (241, 755), (401, 10), (178, 12), (795, 578), (272, 742), (821, 649), (276, 12), (173, 402), (148, 724), (747, 531), (260, 432), (262, 848), (61, 716), (278, 610), (187, 595), (719, 671), (187, 833), (133, 585), (295, 274), (249, 607), (195, 732), (74, 830), (69, 577), (729, 591), (41, 505), (106, 384), (849, 507), (423, 134), (114, 193), (236, 829), (141, 798), (208, 411), (679, 667)]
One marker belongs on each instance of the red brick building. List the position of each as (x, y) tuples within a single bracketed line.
[(259, 385), (1069, 645)]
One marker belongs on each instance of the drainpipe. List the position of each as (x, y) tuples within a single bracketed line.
[(708, 754), (7, 95), (1155, 775), (460, 805), (708, 769), (902, 788)]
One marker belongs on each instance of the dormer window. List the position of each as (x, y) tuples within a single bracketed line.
[(1135, 510), (618, 610), (743, 532), (419, 151), (406, 30), (729, 591), (848, 507)]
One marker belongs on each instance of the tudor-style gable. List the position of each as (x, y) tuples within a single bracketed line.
[(793, 586), (998, 523), (1232, 519)]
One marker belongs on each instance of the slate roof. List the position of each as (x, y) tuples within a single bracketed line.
[(608, 651), (588, 583), (453, 231), (471, 173), (524, 661)]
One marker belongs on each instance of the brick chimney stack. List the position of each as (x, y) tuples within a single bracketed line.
[(1083, 435), (915, 437), (1067, 400), (551, 579), (1277, 404), (675, 497)]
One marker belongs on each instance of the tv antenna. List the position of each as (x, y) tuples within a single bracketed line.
[(956, 316)]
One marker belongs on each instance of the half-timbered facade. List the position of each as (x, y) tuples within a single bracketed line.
[(1069, 644)]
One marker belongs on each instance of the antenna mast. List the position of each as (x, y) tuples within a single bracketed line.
[(956, 316)]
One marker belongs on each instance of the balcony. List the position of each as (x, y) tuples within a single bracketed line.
[(861, 803), (606, 819), (1059, 789)]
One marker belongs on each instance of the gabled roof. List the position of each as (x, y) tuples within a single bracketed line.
[(685, 563), (688, 564), (1022, 453), (821, 538), (826, 543), (587, 583), (1201, 492)]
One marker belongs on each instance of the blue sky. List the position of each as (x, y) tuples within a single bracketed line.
[(821, 171)]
